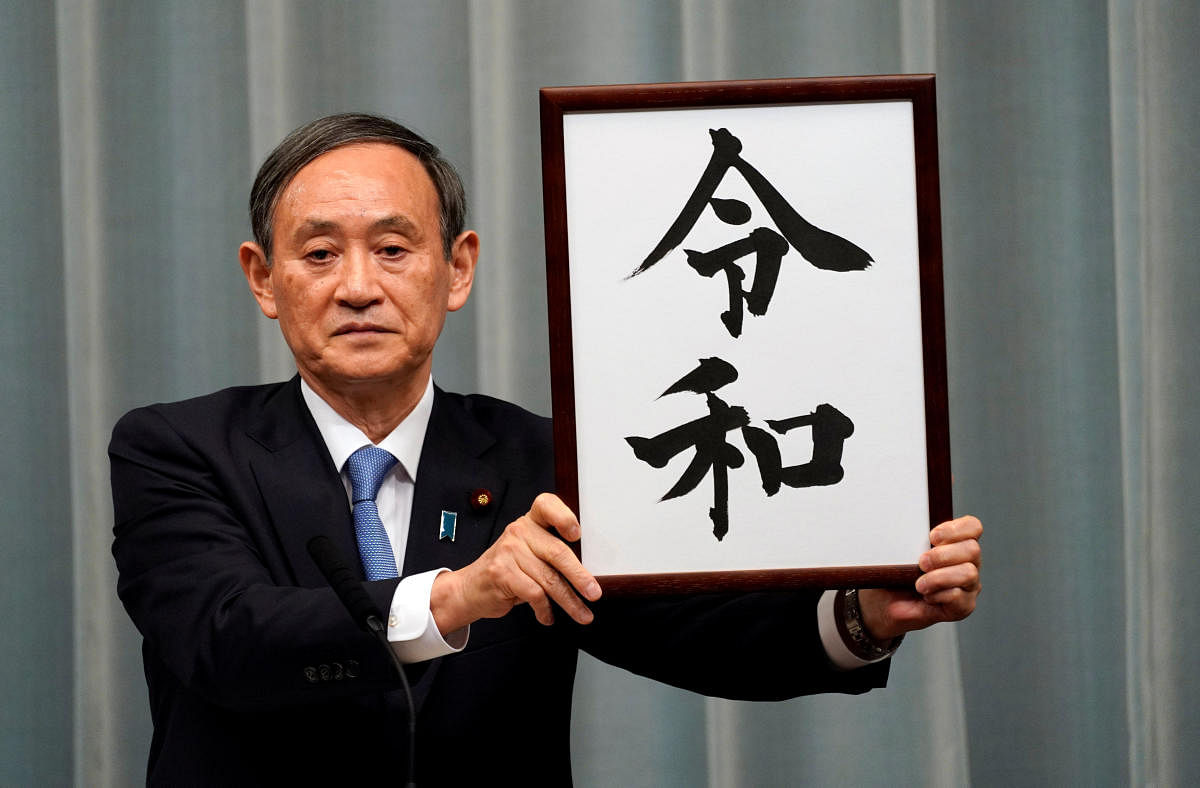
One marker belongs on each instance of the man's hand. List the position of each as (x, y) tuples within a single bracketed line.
[(945, 592), (526, 564)]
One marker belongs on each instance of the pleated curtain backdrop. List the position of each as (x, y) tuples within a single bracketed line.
[(130, 132)]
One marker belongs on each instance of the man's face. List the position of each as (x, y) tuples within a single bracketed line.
[(358, 279)]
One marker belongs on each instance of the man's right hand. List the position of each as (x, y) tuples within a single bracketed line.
[(526, 564)]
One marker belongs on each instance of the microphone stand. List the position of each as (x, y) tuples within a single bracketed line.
[(362, 609)]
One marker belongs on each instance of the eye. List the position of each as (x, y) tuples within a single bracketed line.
[(392, 251), (319, 256)]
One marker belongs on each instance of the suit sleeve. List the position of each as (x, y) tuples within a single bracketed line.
[(755, 646), (193, 578)]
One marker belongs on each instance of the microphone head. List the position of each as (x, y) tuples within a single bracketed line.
[(345, 583)]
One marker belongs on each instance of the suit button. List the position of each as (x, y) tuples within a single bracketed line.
[(324, 671), (310, 673), (337, 671), (351, 669)]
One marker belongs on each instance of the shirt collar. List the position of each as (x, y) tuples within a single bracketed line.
[(343, 439)]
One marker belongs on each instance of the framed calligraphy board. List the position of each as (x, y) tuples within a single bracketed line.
[(746, 330)]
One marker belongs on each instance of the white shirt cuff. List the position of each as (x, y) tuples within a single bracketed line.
[(411, 629), (835, 648)]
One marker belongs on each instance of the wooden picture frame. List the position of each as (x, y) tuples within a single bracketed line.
[(731, 267)]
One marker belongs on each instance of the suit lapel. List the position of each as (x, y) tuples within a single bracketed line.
[(449, 470), (302, 490)]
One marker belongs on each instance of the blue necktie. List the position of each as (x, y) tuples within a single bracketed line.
[(366, 469)]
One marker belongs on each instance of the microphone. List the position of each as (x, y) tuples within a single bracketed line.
[(345, 584), (354, 597)]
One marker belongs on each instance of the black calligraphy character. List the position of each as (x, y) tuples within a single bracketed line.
[(819, 247), (830, 428), (706, 435), (770, 247)]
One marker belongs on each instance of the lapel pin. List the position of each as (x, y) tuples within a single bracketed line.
[(481, 499), (449, 523)]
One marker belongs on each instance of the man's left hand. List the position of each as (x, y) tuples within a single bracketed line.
[(946, 591)]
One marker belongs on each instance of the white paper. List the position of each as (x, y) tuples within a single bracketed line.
[(850, 339)]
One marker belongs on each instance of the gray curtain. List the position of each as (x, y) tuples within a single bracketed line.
[(1069, 161)]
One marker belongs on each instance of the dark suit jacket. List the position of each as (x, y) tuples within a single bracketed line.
[(258, 676)]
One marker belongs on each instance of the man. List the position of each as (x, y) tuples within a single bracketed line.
[(257, 675)]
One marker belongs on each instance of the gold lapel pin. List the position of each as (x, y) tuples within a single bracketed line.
[(481, 499)]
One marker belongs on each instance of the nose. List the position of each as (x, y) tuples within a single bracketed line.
[(358, 285)]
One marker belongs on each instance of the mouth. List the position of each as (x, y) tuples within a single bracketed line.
[(360, 328)]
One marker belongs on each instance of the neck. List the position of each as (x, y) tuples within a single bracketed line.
[(375, 408)]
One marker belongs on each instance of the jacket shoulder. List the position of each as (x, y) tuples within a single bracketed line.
[(491, 411), (522, 440), (218, 413)]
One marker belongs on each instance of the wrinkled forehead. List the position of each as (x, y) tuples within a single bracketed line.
[(367, 178)]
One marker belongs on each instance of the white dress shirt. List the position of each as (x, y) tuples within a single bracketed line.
[(411, 629)]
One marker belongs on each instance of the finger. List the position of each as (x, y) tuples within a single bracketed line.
[(548, 511), (567, 565), (527, 590), (535, 546), (509, 582), (551, 566), (948, 597), (553, 586), (964, 576), (956, 531), (563, 561), (966, 552), (952, 604)]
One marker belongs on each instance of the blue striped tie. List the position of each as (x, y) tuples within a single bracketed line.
[(366, 469)]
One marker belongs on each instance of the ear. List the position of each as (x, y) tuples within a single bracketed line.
[(258, 276), (463, 257)]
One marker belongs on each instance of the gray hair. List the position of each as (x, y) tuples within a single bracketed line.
[(320, 136)]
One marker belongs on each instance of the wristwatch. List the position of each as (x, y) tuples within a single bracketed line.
[(848, 614)]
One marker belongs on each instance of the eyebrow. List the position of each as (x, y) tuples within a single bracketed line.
[(399, 223), (315, 227)]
